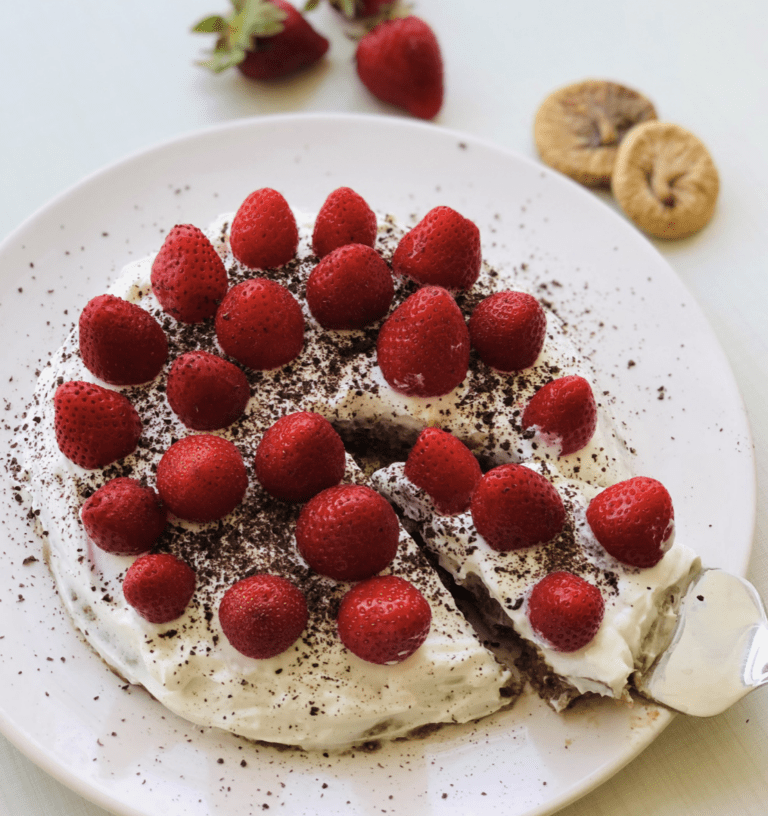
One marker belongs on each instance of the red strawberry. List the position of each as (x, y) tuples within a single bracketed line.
[(423, 347), (360, 9), (565, 610), (399, 61), (202, 478), (634, 521), (442, 249), (260, 324), (384, 619), (263, 615), (565, 410), (300, 455), (515, 507), (124, 517), (206, 391), (188, 276), (508, 330), (344, 218), (348, 532), (264, 233), (265, 39), (159, 586), (350, 288), (121, 343), (94, 426), (444, 467)]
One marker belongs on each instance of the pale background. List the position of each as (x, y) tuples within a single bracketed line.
[(86, 82)]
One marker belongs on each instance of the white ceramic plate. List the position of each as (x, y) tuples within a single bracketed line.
[(118, 747)]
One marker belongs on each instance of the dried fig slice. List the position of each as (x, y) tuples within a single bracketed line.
[(665, 180), (578, 128)]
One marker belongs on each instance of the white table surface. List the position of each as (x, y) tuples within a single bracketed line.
[(86, 82)]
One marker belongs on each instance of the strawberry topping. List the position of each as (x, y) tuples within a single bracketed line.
[(264, 234), (159, 586), (344, 218)]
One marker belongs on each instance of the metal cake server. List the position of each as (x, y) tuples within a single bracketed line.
[(718, 650)]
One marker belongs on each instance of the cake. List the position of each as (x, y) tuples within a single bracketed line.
[(317, 693)]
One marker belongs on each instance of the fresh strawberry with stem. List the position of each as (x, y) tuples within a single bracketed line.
[(348, 532), (298, 456), (94, 425), (634, 520), (188, 276), (565, 610), (124, 516), (264, 233), (400, 62), (384, 619), (159, 586), (443, 249), (515, 507), (423, 346), (264, 39), (344, 218), (444, 467), (121, 343), (564, 411)]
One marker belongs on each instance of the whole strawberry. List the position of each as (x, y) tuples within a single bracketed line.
[(423, 346), (399, 61), (442, 249), (260, 324), (264, 233), (188, 276), (350, 288), (565, 610), (124, 517), (121, 343), (159, 587), (507, 329), (565, 411), (205, 391), (444, 467), (384, 619), (202, 478), (94, 426), (344, 218), (515, 507), (264, 39), (348, 532), (634, 521), (298, 456), (263, 615)]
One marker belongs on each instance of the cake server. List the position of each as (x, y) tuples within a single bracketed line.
[(718, 650)]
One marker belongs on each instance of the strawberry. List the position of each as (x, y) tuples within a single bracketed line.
[(507, 330), (384, 619), (348, 532), (124, 517), (94, 426), (442, 249), (206, 391), (515, 507), (634, 521), (263, 615), (265, 39), (350, 288), (260, 324), (188, 276), (344, 218), (565, 610), (423, 347), (298, 456), (444, 467), (399, 61), (159, 586), (565, 411), (121, 343), (202, 478), (264, 233), (362, 9)]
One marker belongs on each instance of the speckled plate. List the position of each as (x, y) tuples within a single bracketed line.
[(119, 748)]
